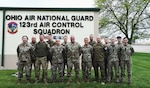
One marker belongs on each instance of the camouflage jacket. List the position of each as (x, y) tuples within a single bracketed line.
[(113, 51), (98, 52), (92, 43), (65, 45), (73, 51), (51, 43), (58, 54), (119, 46), (32, 52), (87, 53), (24, 51), (126, 52), (106, 50)]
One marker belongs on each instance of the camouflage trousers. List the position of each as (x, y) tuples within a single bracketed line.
[(65, 65), (60, 67), (70, 64), (112, 64), (86, 70), (38, 62), (99, 64), (127, 63), (21, 66)]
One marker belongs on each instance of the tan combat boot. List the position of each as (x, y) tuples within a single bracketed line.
[(19, 81), (28, 81), (68, 82), (36, 81), (45, 81), (77, 82)]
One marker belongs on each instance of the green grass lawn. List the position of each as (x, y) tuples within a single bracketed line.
[(141, 77)]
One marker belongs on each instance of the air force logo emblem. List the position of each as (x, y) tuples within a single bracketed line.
[(12, 27)]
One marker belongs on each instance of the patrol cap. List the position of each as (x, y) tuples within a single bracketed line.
[(118, 37)]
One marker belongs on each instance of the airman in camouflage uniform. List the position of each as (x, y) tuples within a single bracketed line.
[(51, 43), (87, 52), (113, 60), (33, 43), (24, 59), (106, 40), (119, 44), (57, 61), (65, 55), (126, 53), (98, 59), (92, 42), (73, 54), (41, 51)]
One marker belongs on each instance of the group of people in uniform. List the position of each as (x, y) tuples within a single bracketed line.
[(109, 58)]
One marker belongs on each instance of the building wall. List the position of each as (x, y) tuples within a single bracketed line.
[(12, 40), (1, 28)]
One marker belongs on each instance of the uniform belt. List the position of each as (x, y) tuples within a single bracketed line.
[(40, 56)]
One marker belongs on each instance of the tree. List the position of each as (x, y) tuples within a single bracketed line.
[(129, 17)]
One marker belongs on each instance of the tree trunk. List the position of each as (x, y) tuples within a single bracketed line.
[(130, 40)]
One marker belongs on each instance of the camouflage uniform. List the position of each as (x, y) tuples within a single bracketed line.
[(87, 52), (73, 54), (126, 53), (49, 56), (92, 43), (98, 59), (65, 56), (41, 51), (24, 60), (57, 62), (113, 61), (106, 58), (33, 55), (119, 53)]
